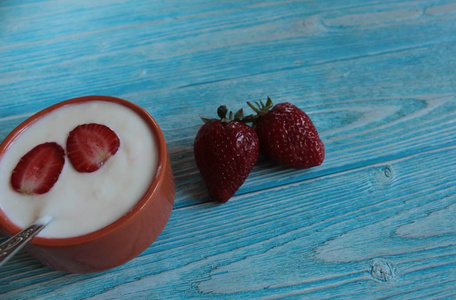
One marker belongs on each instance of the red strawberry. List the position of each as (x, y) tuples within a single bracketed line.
[(288, 136), (90, 145), (38, 170), (225, 152)]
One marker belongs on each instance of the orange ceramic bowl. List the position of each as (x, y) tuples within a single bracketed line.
[(120, 241)]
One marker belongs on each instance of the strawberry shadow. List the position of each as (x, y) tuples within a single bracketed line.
[(190, 187), (189, 184)]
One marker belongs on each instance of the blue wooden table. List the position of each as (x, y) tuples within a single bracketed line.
[(378, 78)]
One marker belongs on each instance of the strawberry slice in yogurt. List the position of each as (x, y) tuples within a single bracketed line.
[(89, 146), (39, 169)]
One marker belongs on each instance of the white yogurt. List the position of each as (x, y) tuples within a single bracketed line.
[(80, 203)]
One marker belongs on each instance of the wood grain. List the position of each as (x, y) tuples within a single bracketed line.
[(324, 236), (376, 220)]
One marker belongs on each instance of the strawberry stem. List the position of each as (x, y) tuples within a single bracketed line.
[(253, 107), (261, 108), (239, 114), (222, 112)]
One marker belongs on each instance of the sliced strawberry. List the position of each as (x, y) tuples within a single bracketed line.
[(90, 145), (38, 170)]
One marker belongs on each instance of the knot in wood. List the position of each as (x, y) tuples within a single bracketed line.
[(382, 270)]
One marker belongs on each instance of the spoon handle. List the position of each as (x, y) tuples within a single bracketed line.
[(12, 245)]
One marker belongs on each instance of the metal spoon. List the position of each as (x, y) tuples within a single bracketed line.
[(15, 243)]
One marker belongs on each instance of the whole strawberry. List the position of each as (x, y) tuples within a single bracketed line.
[(288, 136), (225, 152)]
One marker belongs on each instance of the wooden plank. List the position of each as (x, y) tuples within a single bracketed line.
[(387, 230), (378, 79), (66, 18), (130, 60), (356, 131), (63, 18)]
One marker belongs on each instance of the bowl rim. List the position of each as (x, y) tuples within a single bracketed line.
[(12, 229)]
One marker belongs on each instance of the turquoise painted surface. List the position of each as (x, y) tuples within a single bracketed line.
[(376, 220)]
